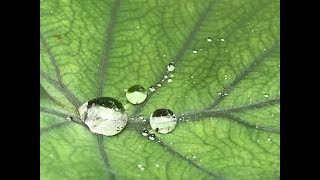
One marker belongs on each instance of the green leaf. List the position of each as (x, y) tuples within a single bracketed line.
[(224, 90)]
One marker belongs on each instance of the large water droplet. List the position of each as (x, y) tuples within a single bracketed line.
[(163, 120), (136, 94), (171, 66), (104, 115)]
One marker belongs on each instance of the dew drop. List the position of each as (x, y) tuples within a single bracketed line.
[(69, 118), (142, 167), (165, 76), (152, 137), (169, 80), (266, 95), (170, 66), (222, 39), (163, 120), (152, 89), (194, 51), (136, 94), (159, 84), (145, 132), (209, 39), (103, 115), (171, 75)]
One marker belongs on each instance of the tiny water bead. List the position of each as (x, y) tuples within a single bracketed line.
[(152, 137), (145, 132), (194, 51), (209, 39), (136, 94), (171, 66), (163, 121), (103, 115), (152, 89)]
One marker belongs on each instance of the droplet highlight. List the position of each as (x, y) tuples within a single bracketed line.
[(103, 115), (163, 121), (136, 94)]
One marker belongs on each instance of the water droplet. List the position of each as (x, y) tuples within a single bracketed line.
[(141, 166), (163, 120), (145, 132), (164, 55), (152, 89), (138, 27), (69, 118), (209, 39), (136, 94), (266, 95), (191, 77), (222, 39), (165, 76), (169, 80), (159, 84), (157, 165), (170, 66), (103, 115), (152, 137), (195, 51)]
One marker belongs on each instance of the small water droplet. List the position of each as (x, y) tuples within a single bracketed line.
[(138, 27), (152, 137), (164, 55), (169, 80), (141, 166), (225, 76), (191, 77), (157, 165), (170, 66), (171, 75), (145, 132), (225, 94), (136, 94), (165, 76), (152, 89), (266, 95), (69, 118), (194, 51), (219, 93), (51, 12), (51, 155), (209, 39), (163, 120), (269, 139), (222, 39), (103, 115), (159, 84)]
